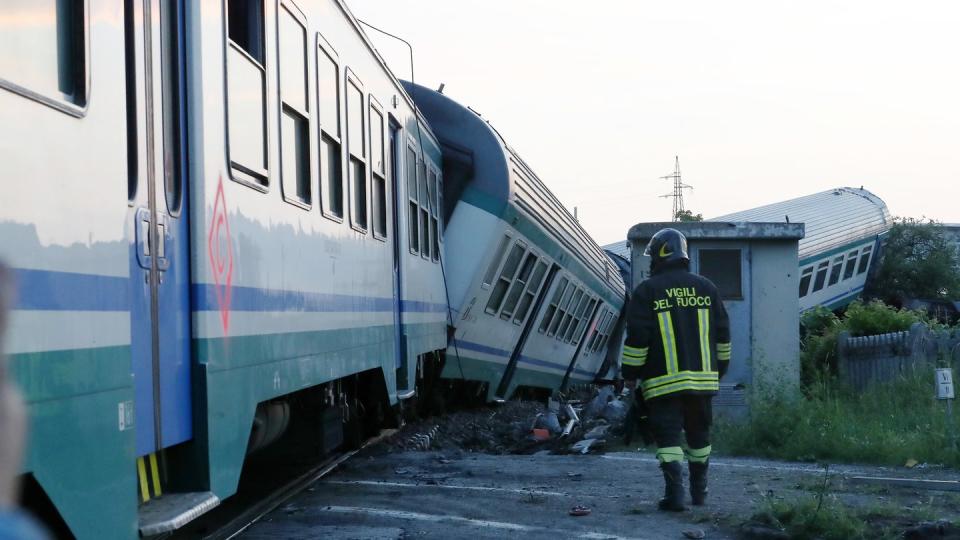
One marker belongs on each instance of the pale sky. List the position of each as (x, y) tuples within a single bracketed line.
[(763, 100)]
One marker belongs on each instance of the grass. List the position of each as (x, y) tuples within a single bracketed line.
[(886, 425), (823, 515)]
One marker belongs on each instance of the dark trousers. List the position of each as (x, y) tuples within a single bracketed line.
[(672, 416)]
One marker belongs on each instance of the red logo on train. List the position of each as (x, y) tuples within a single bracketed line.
[(220, 249)]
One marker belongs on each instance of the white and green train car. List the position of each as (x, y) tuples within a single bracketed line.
[(206, 211), (844, 227), (534, 299)]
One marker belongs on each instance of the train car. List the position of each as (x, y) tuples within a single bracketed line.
[(533, 298), (222, 217), (844, 229)]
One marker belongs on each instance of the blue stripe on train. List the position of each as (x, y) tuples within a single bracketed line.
[(471, 346), (48, 290)]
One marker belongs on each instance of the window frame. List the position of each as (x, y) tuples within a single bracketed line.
[(822, 269), (700, 270), (374, 106), (499, 252), (413, 240), (426, 247), (806, 273), (239, 173), (836, 271), (555, 299), (335, 134), (298, 15), (351, 78), (850, 266), (59, 103), (509, 280), (433, 212), (866, 257)]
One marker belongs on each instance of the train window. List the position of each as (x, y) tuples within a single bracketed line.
[(506, 277), (43, 52), (434, 214), (174, 169), (578, 334), (439, 207), (607, 328), (551, 310), (424, 201), (523, 276), (561, 310), (533, 286), (495, 261), (851, 265), (595, 336), (722, 267), (295, 117), (246, 92), (331, 166), (805, 278), (413, 214), (577, 318), (357, 150), (821, 276), (835, 270), (378, 172), (568, 318), (864, 260)]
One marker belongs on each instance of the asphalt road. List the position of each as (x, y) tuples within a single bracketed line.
[(463, 495)]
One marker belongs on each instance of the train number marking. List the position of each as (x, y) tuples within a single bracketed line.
[(220, 250)]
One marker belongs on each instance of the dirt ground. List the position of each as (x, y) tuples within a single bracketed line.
[(480, 474)]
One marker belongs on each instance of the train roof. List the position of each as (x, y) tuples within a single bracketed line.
[(424, 126), (833, 218), (503, 178)]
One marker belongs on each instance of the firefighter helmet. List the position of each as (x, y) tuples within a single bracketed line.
[(668, 245)]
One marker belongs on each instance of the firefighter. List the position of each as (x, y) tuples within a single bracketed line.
[(678, 347)]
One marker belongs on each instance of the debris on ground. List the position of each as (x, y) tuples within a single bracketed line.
[(571, 424), (580, 510)]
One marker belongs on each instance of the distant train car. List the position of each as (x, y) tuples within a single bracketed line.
[(533, 297), (844, 227), (221, 215)]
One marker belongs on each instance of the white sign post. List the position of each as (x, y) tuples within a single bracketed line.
[(945, 392)]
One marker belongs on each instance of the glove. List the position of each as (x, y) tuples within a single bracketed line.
[(723, 366)]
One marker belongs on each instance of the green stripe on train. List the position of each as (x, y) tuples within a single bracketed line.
[(76, 449)]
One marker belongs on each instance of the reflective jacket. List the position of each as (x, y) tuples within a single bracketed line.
[(678, 335)]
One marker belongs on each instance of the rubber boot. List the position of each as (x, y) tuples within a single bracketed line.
[(672, 500), (698, 483)]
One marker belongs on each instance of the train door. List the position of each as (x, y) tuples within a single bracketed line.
[(160, 317), (401, 353)]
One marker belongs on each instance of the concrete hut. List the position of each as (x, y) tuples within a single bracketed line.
[(755, 267)]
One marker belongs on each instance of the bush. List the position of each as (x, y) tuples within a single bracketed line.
[(820, 327), (886, 424)]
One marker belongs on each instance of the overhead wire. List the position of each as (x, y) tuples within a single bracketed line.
[(431, 202)]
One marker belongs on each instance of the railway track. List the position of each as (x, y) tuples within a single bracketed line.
[(239, 513)]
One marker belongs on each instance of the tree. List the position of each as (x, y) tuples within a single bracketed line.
[(918, 262), (687, 215)]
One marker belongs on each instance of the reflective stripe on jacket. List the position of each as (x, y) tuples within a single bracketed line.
[(678, 333)]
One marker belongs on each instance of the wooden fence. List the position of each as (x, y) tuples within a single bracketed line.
[(865, 360)]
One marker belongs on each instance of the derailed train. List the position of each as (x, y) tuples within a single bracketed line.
[(225, 218)]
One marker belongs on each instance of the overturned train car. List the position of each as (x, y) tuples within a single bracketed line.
[(534, 299)]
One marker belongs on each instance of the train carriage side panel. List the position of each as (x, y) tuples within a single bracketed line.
[(292, 287), (64, 231), (513, 244)]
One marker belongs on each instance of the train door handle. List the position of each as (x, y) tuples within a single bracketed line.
[(142, 224), (163, 237)]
